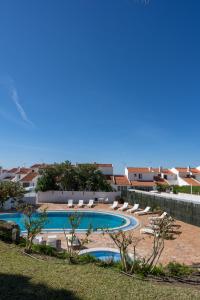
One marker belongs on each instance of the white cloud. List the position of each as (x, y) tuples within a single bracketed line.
[(15, 99), (8, 83)]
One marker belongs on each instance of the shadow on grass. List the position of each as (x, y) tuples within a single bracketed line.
[(19, 287)]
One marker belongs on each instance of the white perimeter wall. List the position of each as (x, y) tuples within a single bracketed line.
[(64, 196)]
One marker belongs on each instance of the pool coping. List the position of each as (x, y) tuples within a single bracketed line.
[(126, 227), (89, 250)]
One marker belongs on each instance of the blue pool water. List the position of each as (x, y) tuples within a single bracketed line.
[(105, 255), (59, 220)]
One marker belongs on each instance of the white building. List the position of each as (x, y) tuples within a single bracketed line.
[(187, 176)]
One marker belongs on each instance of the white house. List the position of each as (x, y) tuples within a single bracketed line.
[(169, 176), (187, 176), (30, 180), (141, 173)]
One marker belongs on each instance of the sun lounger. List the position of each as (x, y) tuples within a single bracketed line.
[(70, 203), (133, 209), (51, 240), (147, 230), (143, 212), (158, 218), (114, 205), (80, 203), (74, 243), (124, 206), (38, 240), (91, 203)]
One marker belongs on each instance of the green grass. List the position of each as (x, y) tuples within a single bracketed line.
[(187, 189), (23, 278)]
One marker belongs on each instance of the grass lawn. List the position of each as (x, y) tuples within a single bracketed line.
[(22, 278)]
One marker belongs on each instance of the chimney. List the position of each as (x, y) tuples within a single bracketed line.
[(150, 169), (160, 169), (188, 169)]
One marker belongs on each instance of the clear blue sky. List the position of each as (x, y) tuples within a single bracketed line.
[(100, 80)]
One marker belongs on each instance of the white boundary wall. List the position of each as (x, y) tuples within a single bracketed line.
[(64, 196), (180, 196)]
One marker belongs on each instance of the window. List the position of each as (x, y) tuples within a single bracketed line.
[(140, 176), (165, 176)]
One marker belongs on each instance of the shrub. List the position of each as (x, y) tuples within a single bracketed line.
[(87, 258), (44, 249), (176, 269)]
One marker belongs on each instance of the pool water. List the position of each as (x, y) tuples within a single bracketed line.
[(59, 220), (105, 255)]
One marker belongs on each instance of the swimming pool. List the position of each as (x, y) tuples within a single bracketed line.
[(57, 220), (105, 255)]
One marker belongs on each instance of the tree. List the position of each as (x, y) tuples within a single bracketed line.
[(65, 176), (123, 240), (9, 189), (33, 224), (162, 229), (75, 220), (49, 179)]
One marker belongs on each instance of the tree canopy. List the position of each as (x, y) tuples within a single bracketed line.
[(67, 177), (9, 189)]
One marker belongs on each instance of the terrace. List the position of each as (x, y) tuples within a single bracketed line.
[(187, 243)]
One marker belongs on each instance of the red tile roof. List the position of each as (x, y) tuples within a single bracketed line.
[(121, 180), (29, 177), (139, 170), (143, 183), (182, 170), (192, 181), (13, 170), (194, 170), (166, 171), (23, 171), (103, 165), (38, 166)]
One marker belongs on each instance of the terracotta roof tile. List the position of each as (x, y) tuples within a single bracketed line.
[(29, 177), (143, 183), (121, 180)]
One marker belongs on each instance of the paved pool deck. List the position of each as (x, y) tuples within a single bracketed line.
[(184, 249)]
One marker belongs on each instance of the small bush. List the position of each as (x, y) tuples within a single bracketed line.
[(176, 269), (87, 258), (158, 271), (45, 249)]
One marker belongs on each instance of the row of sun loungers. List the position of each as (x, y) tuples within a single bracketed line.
[(153, 221), (80, 203), (133, 209)]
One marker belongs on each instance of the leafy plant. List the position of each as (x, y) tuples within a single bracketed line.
[(9, 189), (177, 269), (33, 224), (65, 176)]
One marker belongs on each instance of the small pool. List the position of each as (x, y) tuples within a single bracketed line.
[(57, 220), (103, 254)]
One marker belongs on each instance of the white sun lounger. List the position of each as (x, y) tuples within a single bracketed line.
[(91, 203), (38, 240), (148, 231), (70, 203), (124, 206), (80, 203), (158, 218), (75, 242), (143, 212), (114, 205), (51, 240), (133, 209)]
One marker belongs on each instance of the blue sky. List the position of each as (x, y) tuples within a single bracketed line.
[(100, 80)]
